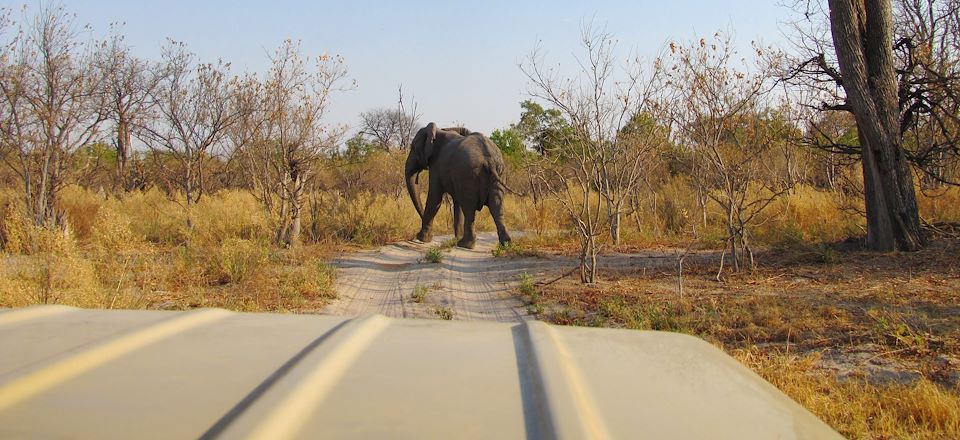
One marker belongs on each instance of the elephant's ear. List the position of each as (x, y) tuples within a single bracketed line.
[(427, 150)]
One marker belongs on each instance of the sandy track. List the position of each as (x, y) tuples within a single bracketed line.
[(471, 284)]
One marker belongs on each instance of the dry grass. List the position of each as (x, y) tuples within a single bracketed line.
[(136, 252), (940, 205), (805, 215), (419, 294), (922, 410)]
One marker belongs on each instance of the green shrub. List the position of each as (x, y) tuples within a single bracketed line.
[(501, 250), (434, 255), (528, 288)]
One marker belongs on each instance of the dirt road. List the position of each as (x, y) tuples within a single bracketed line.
[(467, 285)]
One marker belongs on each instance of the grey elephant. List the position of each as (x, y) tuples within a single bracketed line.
[(468, 166)]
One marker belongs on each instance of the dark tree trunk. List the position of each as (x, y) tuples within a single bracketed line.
[(292, 235), (863, 38)]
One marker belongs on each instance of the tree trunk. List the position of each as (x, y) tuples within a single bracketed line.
[(188, 193), (584, 244), (592, 272), (615, 226), (702, 203), (588, 258), (863, 38), (123, 154), (282, 225), (292, 234)]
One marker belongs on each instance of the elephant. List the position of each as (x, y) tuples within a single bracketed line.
[(466, 165)]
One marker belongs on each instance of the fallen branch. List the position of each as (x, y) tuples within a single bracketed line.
[(562, 276)]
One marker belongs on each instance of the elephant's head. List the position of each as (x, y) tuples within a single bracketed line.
[(421, 148), (462, 131)]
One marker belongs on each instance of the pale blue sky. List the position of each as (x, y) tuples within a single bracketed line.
[(457, 58)]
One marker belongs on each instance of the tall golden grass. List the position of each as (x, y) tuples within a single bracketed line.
[(940, 204), (137, 252)]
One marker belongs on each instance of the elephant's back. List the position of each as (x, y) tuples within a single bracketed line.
[(473, 166)]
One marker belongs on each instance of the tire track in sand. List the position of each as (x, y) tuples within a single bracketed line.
[(471, 283)]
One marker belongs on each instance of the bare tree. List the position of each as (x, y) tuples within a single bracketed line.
[(51, 107), (129, 83), (245, 140), (600, 164), (289, 136), (721, 117), (408, 120), (194, 110), (380, 126), (927, 47), (391, 129)]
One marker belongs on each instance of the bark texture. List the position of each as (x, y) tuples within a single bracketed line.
[(863, 37)]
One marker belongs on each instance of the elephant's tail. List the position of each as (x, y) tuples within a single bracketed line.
[(496, 166), (507, 187)]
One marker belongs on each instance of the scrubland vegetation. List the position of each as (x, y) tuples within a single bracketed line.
[(769, 203), (138, 253)]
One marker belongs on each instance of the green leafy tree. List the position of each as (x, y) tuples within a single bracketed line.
[(357, 148), (509, 141), (543, 130)]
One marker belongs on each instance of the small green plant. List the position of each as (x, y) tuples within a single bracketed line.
[(510, 249), (434, 255), (322, 279), (419, 294), (502, 250), (896, 331), (528, 289), (448, 243), (444, 313)]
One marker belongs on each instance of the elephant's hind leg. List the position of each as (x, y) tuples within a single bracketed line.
[(457, 221)]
